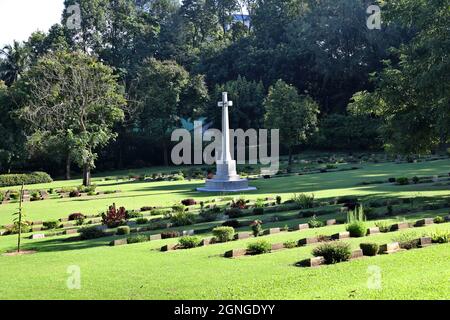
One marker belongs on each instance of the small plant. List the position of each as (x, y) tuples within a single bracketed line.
[(259, 247), (176, 208), (210, 214), (182, 218), (415, 179), (369, 249), (333, 252), (223, 234), (278, 199), (256, 227), (137, 239), (290, 244), (114, 217), (238, 204), (259, 203), (133, 215), (158, 212), (356, 222), (141, 221), (189, 242), (90, 233), (76, 216), (440, 236), (383, 226), (315, 223), (402, 181), (124, 230), (303, 201), (74, 194), (35, 196), (49, 225), (439, 219), (407, 240), (188, 202)]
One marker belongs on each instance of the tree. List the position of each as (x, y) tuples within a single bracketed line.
[(14, 60), (75, 99), (295, 115), (159, 92), (412, 93)]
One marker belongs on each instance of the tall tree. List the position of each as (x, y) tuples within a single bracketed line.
[(75, 99), (14, 60), (294, 115)]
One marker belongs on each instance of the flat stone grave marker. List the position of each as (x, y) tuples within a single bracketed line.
[(341, 235), (373, 230), (36, 228), (425, 242), (315, 262), (37, 223), (206, 242), (2, 232), (235, 253), (357, 254), (119, 242), (331, 222), (306, 241), (37, 236), (242, 235), (400, 226), (44, 194), (68, 224), (300, 227), (154, 237), (390, 248), (63, 219), (26, 196), (277, 246), (424, 222), (169, 247), (188, 232), (272, 231), (70, 231)]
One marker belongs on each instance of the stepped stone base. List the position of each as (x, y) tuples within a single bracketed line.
[(222, 185)]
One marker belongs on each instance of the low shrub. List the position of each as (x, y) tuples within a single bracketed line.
[(259, 247), (158, 212), (188, 202), (258, 211), (123, 230), (87, 189), (439, 219), (74, 194), (133, 214), (8, 180), (25, 227), (415, 180), (304, 201), (369, 249), (232, 223), (51, 225), (238, 204), (223, 234), (189, 242), (315, 223), (141, 221), (210, 214), (357, 229), (234, 213), (76, 216), (290, 244), (137, 239), (114, 217), (178, 208), (182, 218), (278, 199), (170, 234), (440, 236), (256, 227), (91, 233), (383, 226), (407, 240), (333, 252), (392, 180), (402, 181)]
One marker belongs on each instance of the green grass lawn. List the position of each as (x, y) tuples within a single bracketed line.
[(140, 271)]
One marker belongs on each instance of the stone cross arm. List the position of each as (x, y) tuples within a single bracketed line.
[(225, 103)]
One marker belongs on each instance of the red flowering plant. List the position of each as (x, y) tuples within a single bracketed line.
[(256, 227), (238, 204), (114, 217)]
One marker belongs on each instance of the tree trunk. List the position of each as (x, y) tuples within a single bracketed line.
[(68, 162), (86, 175)]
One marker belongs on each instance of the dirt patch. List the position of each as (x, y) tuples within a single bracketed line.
[(21, 253)]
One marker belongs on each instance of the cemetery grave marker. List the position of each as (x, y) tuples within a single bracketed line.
[(373, 230), (425, 242), (235, 253), (341, 235), (390, 248), (307, 241)]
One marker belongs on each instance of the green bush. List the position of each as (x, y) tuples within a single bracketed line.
[(303, 201), (383, 226), (210, 214), (256, 227), (14, 229), (333, 252), (439, 219), (91, 233), (278, 199), (402, 181), (407, 240), (189, 242), (369, 249), (315, 223), (158, 212), (223, 234), (356, 225), (440, 236), (182, 218), (137, 239), (51, 224), (123, 230), (415, 180), (134, 214), (142, 221), (259, 247), (290, 244), (8, 180)]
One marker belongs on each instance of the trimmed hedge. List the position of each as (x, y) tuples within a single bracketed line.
[(8, 180)]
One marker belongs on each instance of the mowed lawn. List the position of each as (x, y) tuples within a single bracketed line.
[(141, 271)]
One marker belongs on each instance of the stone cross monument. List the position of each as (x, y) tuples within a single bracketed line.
[(226, 178)]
